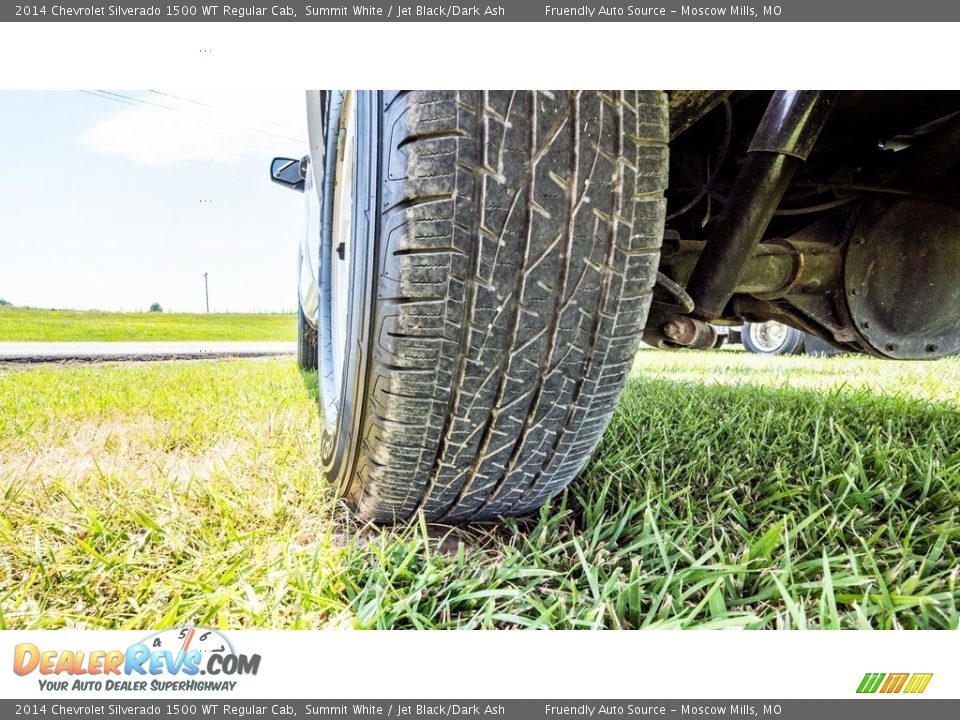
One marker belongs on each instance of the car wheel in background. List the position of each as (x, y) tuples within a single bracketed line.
[(772, 338), (486, 264), (306, 343)]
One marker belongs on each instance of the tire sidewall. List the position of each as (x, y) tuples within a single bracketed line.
[(422, 402), (341, 434)]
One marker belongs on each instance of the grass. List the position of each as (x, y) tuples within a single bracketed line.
[(35, 325), (729, 491)]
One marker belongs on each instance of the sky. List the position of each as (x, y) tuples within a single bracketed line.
[(117, 199)]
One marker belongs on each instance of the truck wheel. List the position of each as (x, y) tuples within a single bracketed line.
[(772, 338), (487, 260), (306, 342)]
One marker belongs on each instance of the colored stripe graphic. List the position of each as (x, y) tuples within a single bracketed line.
[(918, 682), (870, 682), (894, 683)]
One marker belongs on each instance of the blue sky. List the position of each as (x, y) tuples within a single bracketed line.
[(114, 205)]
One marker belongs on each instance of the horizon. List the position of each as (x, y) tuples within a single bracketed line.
[(7, 305), (121, 199)]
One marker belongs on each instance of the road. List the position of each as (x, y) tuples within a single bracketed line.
[(36, 352)]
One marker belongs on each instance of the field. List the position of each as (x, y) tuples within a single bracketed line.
[(730, 491), (33, 325)]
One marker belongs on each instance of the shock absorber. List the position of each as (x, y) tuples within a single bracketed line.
[(781, 144)]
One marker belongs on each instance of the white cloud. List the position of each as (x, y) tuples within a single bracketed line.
[(177, 127)]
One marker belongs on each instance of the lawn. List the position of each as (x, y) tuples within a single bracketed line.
[(730, 491), (33, 325)]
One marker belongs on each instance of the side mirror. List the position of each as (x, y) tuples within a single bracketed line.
[(289, 172)]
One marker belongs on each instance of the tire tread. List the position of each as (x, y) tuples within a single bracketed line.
[(519, 240)]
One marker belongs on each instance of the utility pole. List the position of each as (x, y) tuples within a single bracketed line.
[(206, 292)]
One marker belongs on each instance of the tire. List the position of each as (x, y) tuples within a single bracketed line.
[(306, 343), (757, 339), (501, 256)]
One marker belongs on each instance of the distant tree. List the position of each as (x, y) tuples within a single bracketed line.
[(156, 308), (4, 302)]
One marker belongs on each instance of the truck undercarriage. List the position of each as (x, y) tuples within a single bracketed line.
[(834, 212), (479, 267)]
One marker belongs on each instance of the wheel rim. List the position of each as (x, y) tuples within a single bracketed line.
[(336, 257), (768, 336)]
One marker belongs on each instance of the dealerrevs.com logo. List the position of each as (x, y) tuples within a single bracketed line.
[(169, 660)]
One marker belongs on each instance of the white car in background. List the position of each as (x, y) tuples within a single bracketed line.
[(774, 338)]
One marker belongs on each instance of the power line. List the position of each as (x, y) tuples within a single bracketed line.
[(147, 103), (226, 110), (139, 102), (103, 97)]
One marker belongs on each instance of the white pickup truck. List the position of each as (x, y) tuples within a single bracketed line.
[(479, 267)]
